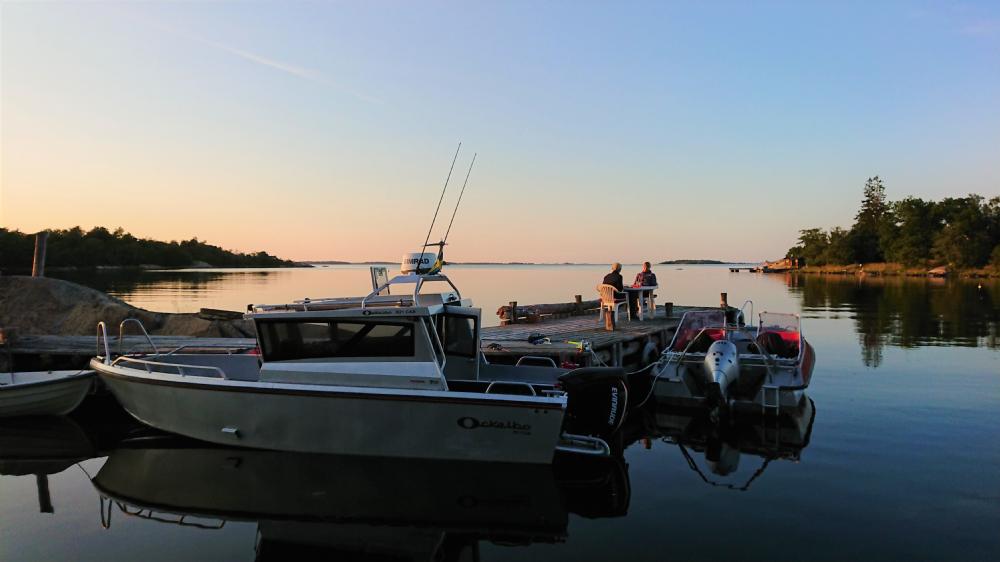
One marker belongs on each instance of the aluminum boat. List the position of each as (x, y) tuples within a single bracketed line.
[(389, 374), (716, 361)]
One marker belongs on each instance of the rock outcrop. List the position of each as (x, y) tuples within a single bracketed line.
[(45, 306)]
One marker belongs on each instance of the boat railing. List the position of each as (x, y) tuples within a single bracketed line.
[(536, 360), (179, 367), (102, 337), (137, 322), (745, 303), (529, 386), (416, 280), (149, 514), (371, 300), (229, 349)]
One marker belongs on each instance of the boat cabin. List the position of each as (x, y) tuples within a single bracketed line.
[(412, 339)]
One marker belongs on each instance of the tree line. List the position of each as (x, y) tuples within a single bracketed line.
[(75, 247), (960, 232)]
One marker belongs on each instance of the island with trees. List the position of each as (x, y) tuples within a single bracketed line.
[(909, 236), (100, 247)]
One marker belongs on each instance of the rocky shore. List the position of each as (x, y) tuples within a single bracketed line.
[(45, 306)]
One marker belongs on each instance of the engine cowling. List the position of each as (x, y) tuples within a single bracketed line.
[(597, 400), (721, 368)]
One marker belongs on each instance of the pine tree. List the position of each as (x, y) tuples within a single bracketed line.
[(868, 224)]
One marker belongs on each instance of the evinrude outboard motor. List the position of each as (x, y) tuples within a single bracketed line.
[(721, 368), (598, 400)]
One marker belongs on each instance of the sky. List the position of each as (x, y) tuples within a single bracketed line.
[(603, 131)]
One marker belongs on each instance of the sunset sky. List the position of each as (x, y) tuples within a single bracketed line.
[(604, 131)]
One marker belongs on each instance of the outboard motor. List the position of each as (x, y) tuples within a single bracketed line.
[(597, 400), (721, 368)]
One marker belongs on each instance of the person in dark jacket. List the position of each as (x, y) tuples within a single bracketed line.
[(615, 280), (615, 277)]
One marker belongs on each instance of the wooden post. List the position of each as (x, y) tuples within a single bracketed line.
[(513, 312), (38, 267), (579, 303), (668, 309), (723, 300), (609, 320), (6, 351), (44, 498)]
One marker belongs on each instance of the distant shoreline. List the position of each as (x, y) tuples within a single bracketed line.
[(668, 262)]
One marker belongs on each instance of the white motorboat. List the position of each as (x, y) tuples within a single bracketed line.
[(387, 374), (716, 361), (43, 393)]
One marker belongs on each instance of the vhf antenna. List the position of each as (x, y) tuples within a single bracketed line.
[(460, 193), (426, 240)]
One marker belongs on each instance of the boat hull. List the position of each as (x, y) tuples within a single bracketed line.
[(53, 394), (341, 420)]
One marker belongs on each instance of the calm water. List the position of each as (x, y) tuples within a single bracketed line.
[(899, 459)]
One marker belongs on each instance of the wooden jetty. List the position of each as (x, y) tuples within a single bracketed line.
[(576, 338), (583, 340)]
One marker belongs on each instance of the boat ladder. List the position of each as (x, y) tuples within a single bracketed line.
[(768, 392)]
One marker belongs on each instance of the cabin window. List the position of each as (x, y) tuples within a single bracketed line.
[(458, 335), (286, 340)]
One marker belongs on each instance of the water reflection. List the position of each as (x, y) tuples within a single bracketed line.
[(368, 508), (905, 312), (42, 446), (713, 448)]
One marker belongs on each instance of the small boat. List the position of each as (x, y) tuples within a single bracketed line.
[(392, 373), (716, 361), (43, 393)]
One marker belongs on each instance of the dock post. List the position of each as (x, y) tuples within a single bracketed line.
[(668, 309), (723, 300), (38, 267), (6, 352), (513, 312), (44, 498), (609, 320), (578, 306)]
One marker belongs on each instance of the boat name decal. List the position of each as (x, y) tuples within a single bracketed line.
[(614, 406), (473, 423), (387, 312)]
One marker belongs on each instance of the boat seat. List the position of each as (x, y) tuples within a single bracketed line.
[(779, 344), (704, 341)]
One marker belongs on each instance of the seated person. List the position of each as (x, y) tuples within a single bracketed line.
[(646, 277), (615, 280)]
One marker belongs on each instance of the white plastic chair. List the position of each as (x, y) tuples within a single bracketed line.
[(648, 303), (609, 304)]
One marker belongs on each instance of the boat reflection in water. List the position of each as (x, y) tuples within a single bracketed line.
[(313, 504), (42, 446), (723, 442)]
